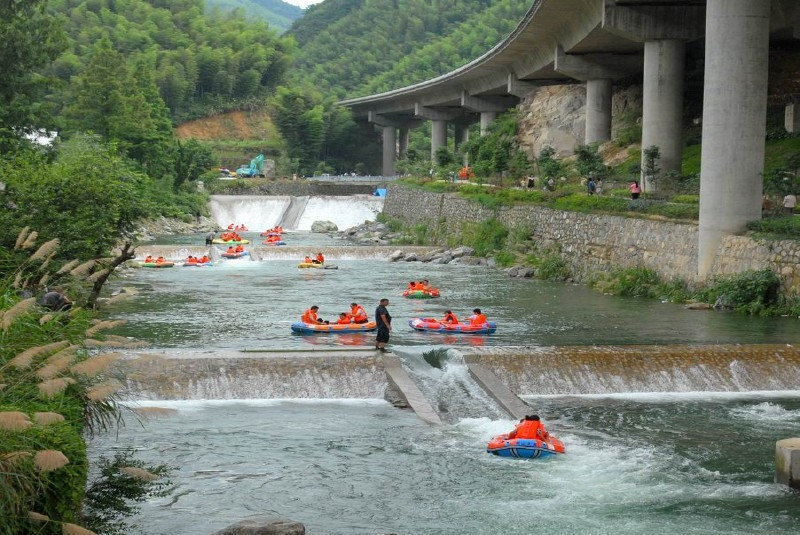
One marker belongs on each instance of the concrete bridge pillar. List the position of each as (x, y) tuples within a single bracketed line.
[(438, 135), (389, 149), (403, 141), (662, 113), (486, 119), (787, 462), (598, 110), (734, 120), (461, 134)]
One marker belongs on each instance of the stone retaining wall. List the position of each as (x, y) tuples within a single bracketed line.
[(593, 242)]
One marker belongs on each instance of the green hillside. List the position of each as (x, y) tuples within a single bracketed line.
[(349, 48), (279, 15)]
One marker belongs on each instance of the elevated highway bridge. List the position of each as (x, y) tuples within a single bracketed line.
[(596, 42)]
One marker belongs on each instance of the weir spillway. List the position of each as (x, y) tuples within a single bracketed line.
[(504, 372)]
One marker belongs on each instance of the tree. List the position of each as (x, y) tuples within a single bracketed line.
[(651, 169), (589, 163), (89, 198), (30, 38)]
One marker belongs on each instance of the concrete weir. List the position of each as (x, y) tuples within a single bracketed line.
[(503, 372)]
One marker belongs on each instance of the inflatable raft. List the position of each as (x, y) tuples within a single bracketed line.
[(524, 448), (421, 294), (278, 242), (229, 242), (434, 325), (311, 328), (304, 265), (156, 264), (197, 264), (234, 255)]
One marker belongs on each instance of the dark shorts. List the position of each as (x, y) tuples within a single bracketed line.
[(383, 335)]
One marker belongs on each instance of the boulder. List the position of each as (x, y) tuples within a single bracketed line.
[(269, 524), (462, 251), (324, 226)]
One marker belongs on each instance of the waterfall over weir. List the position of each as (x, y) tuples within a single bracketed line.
[(293, 213)]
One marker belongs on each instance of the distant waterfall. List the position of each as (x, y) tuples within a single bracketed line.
[(293, 213)]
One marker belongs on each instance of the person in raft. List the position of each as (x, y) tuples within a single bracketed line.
[(344, 319), (530, 427), (307, 260), (319, 259), (149, 259), (358, 313), (230, 250), (239, 248), (477, 317), (449, 317), (384, 321), (310, 316)]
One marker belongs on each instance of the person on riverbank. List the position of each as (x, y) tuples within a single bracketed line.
[(358, 314), (210, 238), (530, 427), (635, 189), (384, 321), (591, 187), (789, 203), (449, 317), (310, 316), (477, 318)]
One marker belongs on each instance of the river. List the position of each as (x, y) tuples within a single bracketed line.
[(636, 463)]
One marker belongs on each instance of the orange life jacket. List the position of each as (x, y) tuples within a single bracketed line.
[(309, 316), (307, 260), (343, 321), (529, 429), (358, 313), (477, 319), (320, 258), (230, 249), (450, 318), (149, 259), (204, 259), (160, 260), (239, 248)]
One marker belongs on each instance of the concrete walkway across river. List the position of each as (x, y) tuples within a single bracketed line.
[(505, 373)]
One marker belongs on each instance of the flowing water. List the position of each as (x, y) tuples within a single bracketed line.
[(695, 463)]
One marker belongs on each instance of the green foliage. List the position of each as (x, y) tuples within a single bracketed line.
[(202, 64), (547, 163), (113, 495), (505, 258), (750, 292), (352, 48), (485, 237), (497, 151), (276, 13), (686, 199), (591, 203), (589, 163), (633, 282), (29, 39), (782, 227), (551, 267)]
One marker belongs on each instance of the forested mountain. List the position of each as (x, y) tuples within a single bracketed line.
[(277, 13), (356, 47), (200, 63)]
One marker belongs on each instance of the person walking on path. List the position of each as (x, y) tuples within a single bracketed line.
[(789, 202), (384, 321), (635, 189)]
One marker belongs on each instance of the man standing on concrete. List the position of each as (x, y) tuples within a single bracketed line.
[(384, 321)]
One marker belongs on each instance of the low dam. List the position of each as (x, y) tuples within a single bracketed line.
[(526, 371)]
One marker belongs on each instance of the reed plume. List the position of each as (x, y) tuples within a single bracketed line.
[(104, 325), (74, 529), (49, 460), (38, 517), (47, 263), (30, 241), (17, 280), (45, 278), (14, 456), (16, 311), (24, 359), (21, 237), (55, 367), (45, 250), (103, 390), (138, 473), (67, 267), (98, 274), (95, 365), (47, 418), (83, 269), (52, 387), (14, 421), (44, 319)]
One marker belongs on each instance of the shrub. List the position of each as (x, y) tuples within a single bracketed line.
[(552, 267), (485, 237), (750, 292), (633, 282), (777, 227), (505, 258)]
